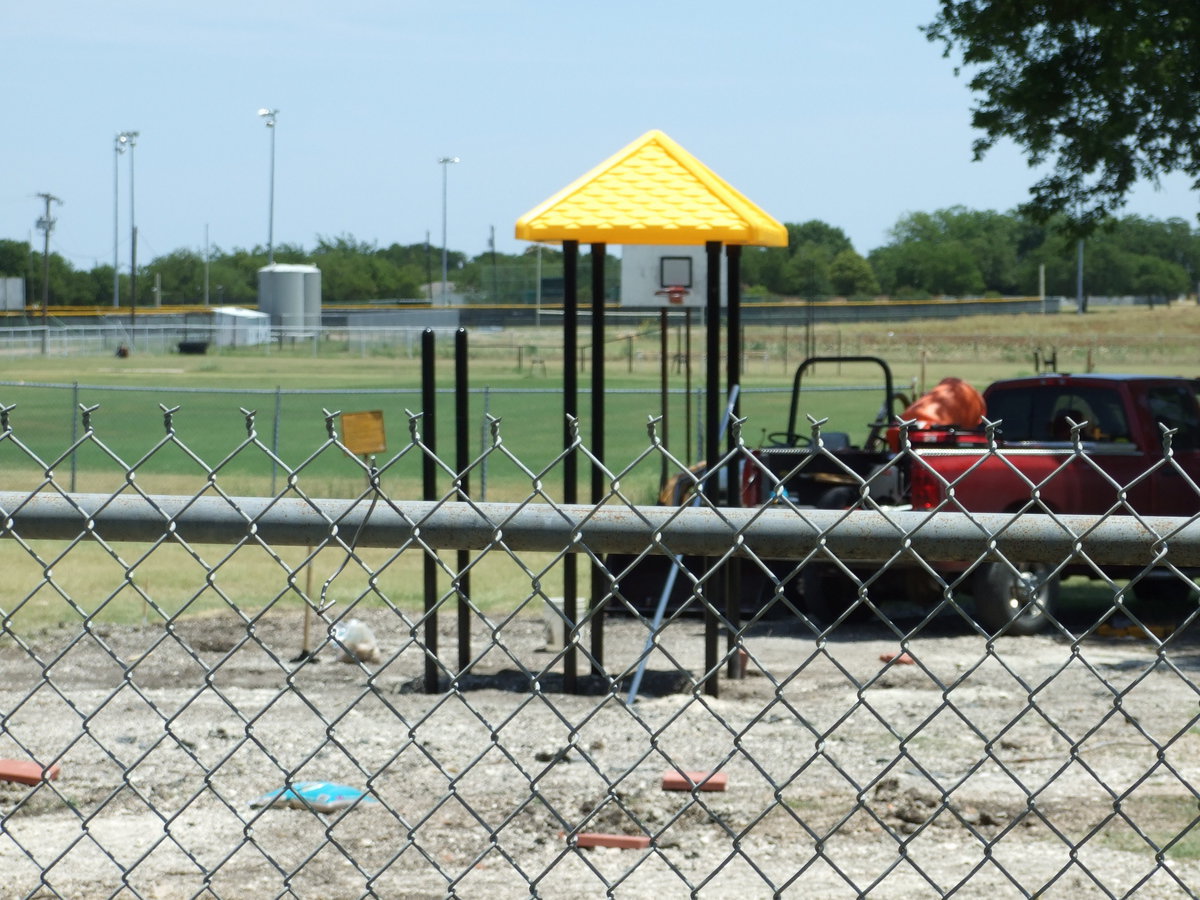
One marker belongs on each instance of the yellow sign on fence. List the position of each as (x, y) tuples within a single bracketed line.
[(362, 432)]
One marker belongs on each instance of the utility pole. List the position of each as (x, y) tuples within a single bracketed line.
[(46, 224)]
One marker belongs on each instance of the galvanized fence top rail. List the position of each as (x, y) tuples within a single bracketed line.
[(212, 695)]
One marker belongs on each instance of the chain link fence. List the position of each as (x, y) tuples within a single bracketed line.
[(289, 695)]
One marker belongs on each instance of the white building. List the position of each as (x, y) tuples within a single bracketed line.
[(235, 326)]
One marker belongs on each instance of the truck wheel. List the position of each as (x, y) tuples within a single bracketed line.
[(829, 593), (1017, 604), (921, 588), (1169, 591)]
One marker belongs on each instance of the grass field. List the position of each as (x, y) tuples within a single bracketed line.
[(128, 393), (210, 432)]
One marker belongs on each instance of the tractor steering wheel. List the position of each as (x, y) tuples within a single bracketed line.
[(788, 439)]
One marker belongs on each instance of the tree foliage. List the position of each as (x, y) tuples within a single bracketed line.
[(955, 251), (960, 252), (14, 257), (852, 276), (1104, 94), (802, 268)]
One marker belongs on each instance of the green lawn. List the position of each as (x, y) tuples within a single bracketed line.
[(303, 382), (291, 394)]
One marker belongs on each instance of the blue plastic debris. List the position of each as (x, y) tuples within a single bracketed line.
[(319, 796)]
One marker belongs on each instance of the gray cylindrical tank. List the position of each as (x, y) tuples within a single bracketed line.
[(283, 294), (312, 299), (266, 302)]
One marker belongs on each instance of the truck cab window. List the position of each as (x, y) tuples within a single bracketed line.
[(1176, 408), (1042, 414)]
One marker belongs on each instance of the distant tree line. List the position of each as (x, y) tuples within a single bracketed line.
[(959, 252), (950, 252)]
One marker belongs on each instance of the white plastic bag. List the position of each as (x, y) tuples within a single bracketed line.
[(356, 641)]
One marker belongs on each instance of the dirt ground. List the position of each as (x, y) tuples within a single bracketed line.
[(1031, 766)]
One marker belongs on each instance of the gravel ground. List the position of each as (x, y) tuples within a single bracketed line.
[(1030, 769)]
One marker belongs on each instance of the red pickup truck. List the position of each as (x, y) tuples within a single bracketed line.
[(1118, 422)]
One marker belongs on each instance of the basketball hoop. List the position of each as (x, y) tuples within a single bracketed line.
[(674, 294)]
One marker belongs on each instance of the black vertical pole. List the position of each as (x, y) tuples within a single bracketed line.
[(687, 384), (429, 480), (462, 459), (664, 427), (712, 447), (600, 590), (570, 463), (733, 337)]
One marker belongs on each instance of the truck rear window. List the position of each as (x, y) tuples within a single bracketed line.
[(1045, 413), (1175, 407)]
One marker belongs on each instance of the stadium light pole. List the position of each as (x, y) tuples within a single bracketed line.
[(446, 162), (128, 139), (118, 149), (269, 115)]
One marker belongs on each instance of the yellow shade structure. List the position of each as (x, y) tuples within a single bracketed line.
[(651, 192)]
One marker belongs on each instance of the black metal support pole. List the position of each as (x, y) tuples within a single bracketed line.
[(570, 462), (687, 384), (601, 586), (712, 447), (733, 325), (664, 427), (733, 337), (429, 481), (462, 459)]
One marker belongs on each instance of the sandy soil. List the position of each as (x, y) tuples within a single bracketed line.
[(1028, 767)]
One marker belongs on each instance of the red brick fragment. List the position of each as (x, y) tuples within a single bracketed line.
[(901, 659), (24, 772), (674, 780), (619, 841)]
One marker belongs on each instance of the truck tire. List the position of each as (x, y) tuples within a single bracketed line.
[(1167, 591), (829, 593), (1008, 602), (921, 589)]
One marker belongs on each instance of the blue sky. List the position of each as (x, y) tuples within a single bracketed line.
[(839, 111)]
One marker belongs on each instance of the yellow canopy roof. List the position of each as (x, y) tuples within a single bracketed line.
[(651, 192)]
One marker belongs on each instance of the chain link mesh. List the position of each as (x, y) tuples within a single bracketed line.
[(227, 696)]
